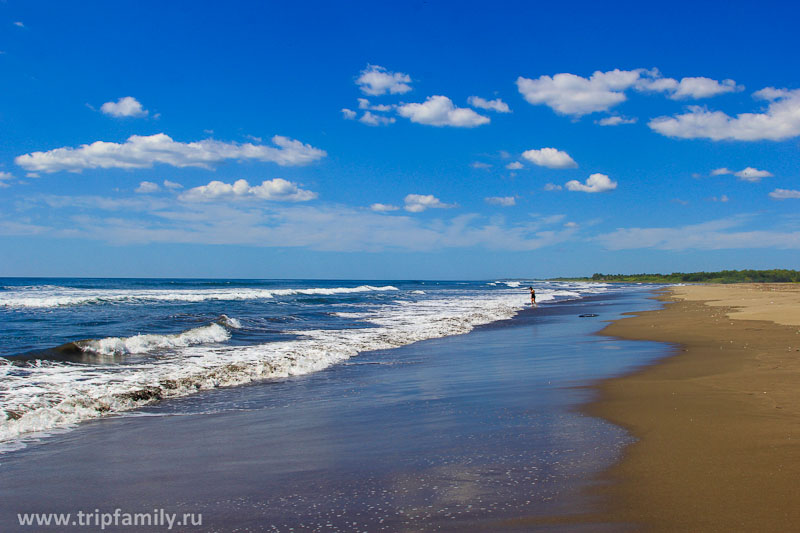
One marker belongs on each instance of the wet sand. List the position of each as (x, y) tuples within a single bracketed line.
[(719, 422)]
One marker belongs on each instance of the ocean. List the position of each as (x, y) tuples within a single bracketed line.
[(309, 405)]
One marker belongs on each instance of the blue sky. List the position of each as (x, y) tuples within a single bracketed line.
[(397, 140)]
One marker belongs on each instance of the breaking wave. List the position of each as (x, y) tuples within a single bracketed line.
[(40, 396), (55, 296)]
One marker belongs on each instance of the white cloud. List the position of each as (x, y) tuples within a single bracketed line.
[(691, 87), (552, 187), (514, 165), (381, 208), (146, 187), (494, 105), (724, 198), (480, 164), (785, 194), (19, 24), (615, 121), (569, 94), (595, 183), (371, 119), (550, 158), (701, 87), (3, 177), (440, 111), (505, 201), (348, 114), (721, 171), (144, 151), (753, 174), (780, 121), (172, 185), (376, 80), (713, 235), (127, 106), (276, 189), (416, 203), (363, 103)]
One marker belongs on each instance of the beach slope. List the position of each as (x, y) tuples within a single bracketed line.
[(718, 424)]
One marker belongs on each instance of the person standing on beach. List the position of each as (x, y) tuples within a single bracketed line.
[(533, 295)]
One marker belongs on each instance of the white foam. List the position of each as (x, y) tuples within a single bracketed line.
[(55, 296), (47, 395), (141, 344)]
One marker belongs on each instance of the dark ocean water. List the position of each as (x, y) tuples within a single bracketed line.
[(459, 432), (78, 349)]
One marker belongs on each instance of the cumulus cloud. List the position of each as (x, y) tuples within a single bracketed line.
[(127, 106), (480, 164), (417, 203), (724, 198), (494, 105), (4, 176), (550, 158), (371, 119), (615, 121), (691, 87), (382, 208), (363, 103), (376, 80), (552, 187), (172, 185), (752, 174), (595, 183), (514, 165), (19, 24), (348, 114), (570, 94), (781, 120), (144, 151), (746, 174), (276, 189), (505, 201), (147, 187), (785, 194), (440, 111), (713, 235)]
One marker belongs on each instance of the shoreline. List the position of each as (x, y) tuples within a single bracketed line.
[(718, 444), (453, 433)]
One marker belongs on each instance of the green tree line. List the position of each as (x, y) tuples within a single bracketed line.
[(723, 276)]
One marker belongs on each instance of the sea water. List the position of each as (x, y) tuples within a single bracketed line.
[(72, 350)]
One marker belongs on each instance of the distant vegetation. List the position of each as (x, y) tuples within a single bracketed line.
[(724, 276)]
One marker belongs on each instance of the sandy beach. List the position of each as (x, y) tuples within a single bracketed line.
[(717, 424)]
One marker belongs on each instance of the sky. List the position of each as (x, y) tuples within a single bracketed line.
[(397, 140)]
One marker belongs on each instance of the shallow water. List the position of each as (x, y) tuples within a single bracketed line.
[(73, 349), (451, 433)]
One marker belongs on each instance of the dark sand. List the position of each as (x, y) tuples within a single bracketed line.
[(719, 423)]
